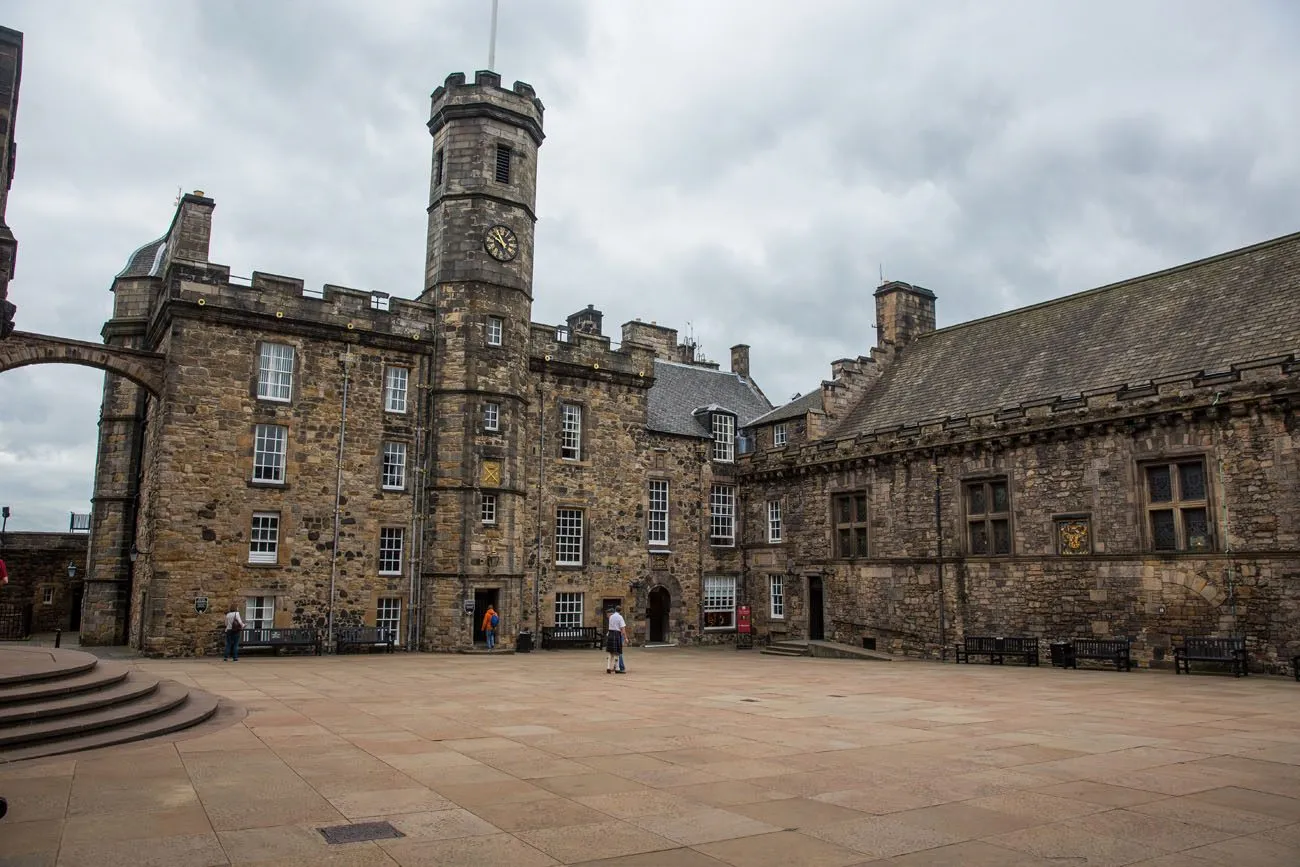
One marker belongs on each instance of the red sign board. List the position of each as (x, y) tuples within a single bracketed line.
[(743, 619)]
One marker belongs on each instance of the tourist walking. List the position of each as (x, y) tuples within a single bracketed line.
[(490, 621), (615, 636), (234, 629)]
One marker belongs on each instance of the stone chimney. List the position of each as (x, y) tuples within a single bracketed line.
[(586, 321), (191, 231), (903, 313), (740, 360)]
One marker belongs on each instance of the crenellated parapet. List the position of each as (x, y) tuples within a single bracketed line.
[(590, 356)]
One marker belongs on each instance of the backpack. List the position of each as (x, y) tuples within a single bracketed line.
[(495, 620)]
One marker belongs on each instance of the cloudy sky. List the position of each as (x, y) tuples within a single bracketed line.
[(742, 170)]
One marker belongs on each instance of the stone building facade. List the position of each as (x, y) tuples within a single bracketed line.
[(46, 575)]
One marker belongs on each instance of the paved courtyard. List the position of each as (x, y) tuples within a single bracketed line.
[(695, 757)]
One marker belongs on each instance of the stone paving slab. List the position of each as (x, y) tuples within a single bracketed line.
[(696, 758)]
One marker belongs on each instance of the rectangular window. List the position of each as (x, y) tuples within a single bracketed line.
[(719, 602), (394, 476), (562, 334), (270, 442), (778, 435), (988, 517), (568, 537), (491, 416), (724, 437), (264, 540), (849, 521), (1178, 507), (570, 431), (722, 515), (395, 389), (437, 168), (496, 327), (776, 593), (275, 372), (47, 595), (568, 609), (488, 509), (502, 174), (774, 521), (259, 612), (388, 617), (390, 550), (657, 522)]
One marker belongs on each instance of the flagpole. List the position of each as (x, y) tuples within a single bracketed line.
[(492, 40)]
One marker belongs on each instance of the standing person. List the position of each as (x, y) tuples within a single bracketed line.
[(618, 611), (490, 621), (234, 628), (614, 638)]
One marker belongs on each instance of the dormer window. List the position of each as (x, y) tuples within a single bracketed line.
[(724, 437)]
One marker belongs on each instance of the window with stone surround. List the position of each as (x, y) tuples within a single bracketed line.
[(724, 437), (395, 379), (776, 593), (270, 443), (1178, 505), (774, 521), (437, 168), (849, 524), (988, 517), (264, 538), (502, 167), (275, 372), (388, 617), (568, 609), (394, 473), (570, 431), (778, 435), (491, 416), (391, 541), (259, 612), (496, 327), (719, 602), (47, 595), (657, 515), (722, 515), (568, 537), (488, 509)]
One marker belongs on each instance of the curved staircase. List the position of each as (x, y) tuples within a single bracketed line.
[(61, 701)]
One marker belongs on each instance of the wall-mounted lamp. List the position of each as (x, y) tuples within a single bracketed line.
[(135, 553), (72, 569)]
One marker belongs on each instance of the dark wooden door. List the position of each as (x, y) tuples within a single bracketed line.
[(816, 621), (658, 614)]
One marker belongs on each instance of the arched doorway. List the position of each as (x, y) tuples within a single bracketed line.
[(657, 614)]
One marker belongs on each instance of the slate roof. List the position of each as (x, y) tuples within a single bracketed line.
[(1202, 316), (680, 389), (797, 408), (144, 261)]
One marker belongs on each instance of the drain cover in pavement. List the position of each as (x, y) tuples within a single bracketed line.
[(360, 832)]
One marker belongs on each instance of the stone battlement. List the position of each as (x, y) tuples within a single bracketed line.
[(455, 97), (589, 353)]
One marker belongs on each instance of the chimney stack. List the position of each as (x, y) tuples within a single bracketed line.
[(903, 313), (740, 360)]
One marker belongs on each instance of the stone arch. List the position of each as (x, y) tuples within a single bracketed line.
[(143, 368)]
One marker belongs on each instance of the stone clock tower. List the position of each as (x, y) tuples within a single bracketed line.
[(479, 276)]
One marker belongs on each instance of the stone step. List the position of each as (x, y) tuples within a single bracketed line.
[(774, 650), (20, 665), (101, 676), (124, 690), (194, 708), (166, 697)]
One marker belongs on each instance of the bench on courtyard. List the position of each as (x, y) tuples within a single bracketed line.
[(1116, 650), (363, 636), (997, 648), (1231, 651), (1295, 666), (278, 639), (565, 636)]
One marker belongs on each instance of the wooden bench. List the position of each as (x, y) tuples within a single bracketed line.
[(363, 636), (997, 648), (1116, 650), (1295, 666), (278, 639), (1203, 649), (564, 636)]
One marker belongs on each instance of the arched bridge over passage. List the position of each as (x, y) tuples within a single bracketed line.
[(23, 348)]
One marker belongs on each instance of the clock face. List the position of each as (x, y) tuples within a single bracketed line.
[(501, 243)]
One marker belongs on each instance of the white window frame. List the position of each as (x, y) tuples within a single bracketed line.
[(270, 450), (774, 522), (776, 596), (571, 431), (488, 509), (47, 595), (264, 538), (724, 437), (778, 434), (657, 513), (568, 608), (496, 327), (275, 372), (492, 416), (392, 475), (396, 380), (719, 599), (570, 530), (722, 516), (392, 541), (259, 612), (388, 615)]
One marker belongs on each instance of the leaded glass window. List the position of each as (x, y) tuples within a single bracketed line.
[(849, 520), (1178, 508), (988, 517)]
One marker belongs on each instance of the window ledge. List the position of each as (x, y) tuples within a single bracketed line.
[(274, 486), (275, 565), (658, 550)]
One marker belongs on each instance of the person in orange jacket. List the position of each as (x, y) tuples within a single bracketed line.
[(490, 622)]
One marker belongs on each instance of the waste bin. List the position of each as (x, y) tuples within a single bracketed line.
[(1062, 654), (524, 642)]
